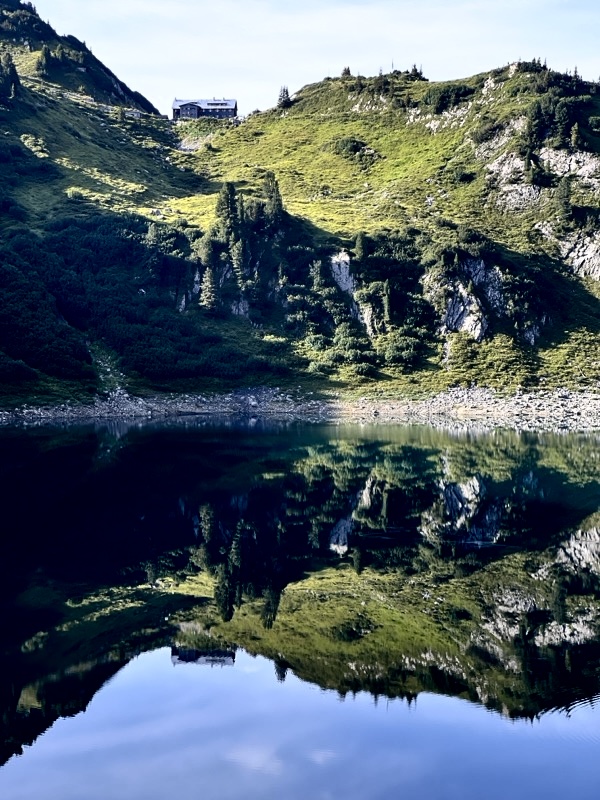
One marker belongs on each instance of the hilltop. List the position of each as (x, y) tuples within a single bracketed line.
[(382, 231)]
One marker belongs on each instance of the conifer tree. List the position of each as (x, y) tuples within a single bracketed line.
[(227, 211), (44, 62), (359, 247), (208, 291), (204, 249), (387, 304), (316, 273), (237, 252), (9, 78), (575, 137), (562, 121), (284, 100), (274, 203), (562, 198)]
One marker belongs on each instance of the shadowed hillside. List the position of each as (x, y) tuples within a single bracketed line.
[(381, 231)]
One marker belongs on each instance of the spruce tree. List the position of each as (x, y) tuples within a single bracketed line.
[(44, 62), (562, 122), (562, 199), (208, 291), (227, 212), (237, 252), (575, 137), (274, 203), (204, 250), (359, 247), (284, 100), (9, 78)]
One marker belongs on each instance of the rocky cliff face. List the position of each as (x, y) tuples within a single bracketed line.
[(472, 296)]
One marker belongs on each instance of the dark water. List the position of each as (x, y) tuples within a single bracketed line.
[(216, 611)]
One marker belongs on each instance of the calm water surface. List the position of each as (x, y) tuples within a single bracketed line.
[(238, 610)]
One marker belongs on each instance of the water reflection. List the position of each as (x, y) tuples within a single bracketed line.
[(395, 561), (220, 733)]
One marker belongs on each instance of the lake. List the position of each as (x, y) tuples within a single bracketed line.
[(241, 608)]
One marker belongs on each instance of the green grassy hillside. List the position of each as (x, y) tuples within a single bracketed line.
[(461, 217)]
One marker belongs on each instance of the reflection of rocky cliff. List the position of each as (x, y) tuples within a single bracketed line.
[(463, 513), (423, 563)]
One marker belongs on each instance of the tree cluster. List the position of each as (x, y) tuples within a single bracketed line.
[(242, 252), (444, 96)]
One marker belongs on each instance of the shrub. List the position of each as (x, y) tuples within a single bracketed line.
[(353, 149), (594, 123), (487, 131), (364, 370), (445, 97)]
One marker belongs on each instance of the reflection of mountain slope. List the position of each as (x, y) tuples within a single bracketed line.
[(211, 526), (373, 633), (26, 715)]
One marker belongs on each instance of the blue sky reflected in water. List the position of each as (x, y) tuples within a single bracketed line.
[(188, 731)]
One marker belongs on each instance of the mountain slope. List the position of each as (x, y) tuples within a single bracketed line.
[(40, 53), (381, 229)]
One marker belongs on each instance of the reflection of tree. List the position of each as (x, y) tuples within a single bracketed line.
[(258, 516), (281, 670), (270, 607), (224, 593)]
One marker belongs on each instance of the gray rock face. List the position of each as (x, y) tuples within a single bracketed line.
[(582, 165), (240, 308), (464, 311), (579, 249), (488, 279), (340, 271), (368, 317), (579, 631), (465, 314), (518, 197), (582, 252), (468, 301)]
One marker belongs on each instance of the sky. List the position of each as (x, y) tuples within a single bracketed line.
[(248, 49)]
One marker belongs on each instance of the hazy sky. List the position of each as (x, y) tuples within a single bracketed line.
[(247, 49)]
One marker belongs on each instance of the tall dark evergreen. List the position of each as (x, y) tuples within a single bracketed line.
[(227, 212), (9, 78), (208, 291), (274, 203), (562, 199), (284, 100), (44, 62), (359, 247)]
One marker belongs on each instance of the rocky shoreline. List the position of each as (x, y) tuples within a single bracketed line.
[(473, 409)]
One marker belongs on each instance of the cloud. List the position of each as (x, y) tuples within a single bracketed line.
[(256, 758), (321, 757)]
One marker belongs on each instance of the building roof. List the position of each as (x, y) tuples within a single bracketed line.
[(207, 105)]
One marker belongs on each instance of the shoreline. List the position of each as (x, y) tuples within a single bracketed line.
[(474, 409)]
